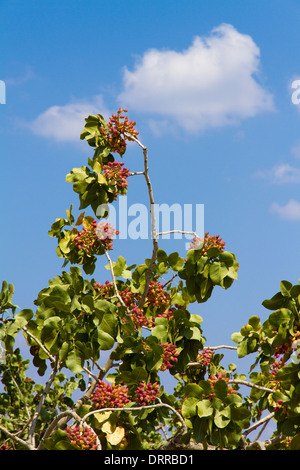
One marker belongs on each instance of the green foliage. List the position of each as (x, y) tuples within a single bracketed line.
[(141, 323)]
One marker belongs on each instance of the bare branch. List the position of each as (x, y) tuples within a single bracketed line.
[(41, 402), (68, 414), (135, 173), (15, 438), (52, 358), (114, 280), (251, 385), (153, 225), (222, 346), (184, 232), (137, 408), (258, 423)]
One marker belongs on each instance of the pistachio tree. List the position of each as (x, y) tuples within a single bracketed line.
[(139, 319)]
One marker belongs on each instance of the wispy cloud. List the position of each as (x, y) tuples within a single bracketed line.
[(280, 174), (295, 151), (210, 84), (65, 123), (290, 211), (19, 80)]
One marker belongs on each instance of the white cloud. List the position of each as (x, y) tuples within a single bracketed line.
[(280, 174), (291, 211), (65, 123), (209, 84), (25, 77), (295, 151)]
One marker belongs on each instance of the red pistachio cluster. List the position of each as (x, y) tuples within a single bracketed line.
[(82, 437), (4, 447), (205, 356), (157, 297), (115, 174), (118, 130), (109, 396), (136, 313), (117, 396), (276, 365), (87, 240), (96, 235), (168, 313), (105, 233), (169, 356), (146, 393), (105, 290), (209, 241), (220, 376)]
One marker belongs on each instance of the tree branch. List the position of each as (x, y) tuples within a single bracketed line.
[(41, 403), (258, 423), (114, 280), (153, 225), (137, 408), (52, 358), (15, 438), (251, 385)]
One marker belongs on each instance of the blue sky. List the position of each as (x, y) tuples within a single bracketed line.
[(209, 84)]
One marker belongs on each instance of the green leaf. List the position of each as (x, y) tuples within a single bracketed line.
[(275, 302), (237, 337), (193, 390), (285, 288), (106, 341), (222, 417), (139, 374), (161, 256), (204, 408), (240, 414), (295, 443), (221, 389), (288, 373), (160, 331), (254, 321), (23, 317), (280, 316), (189, 407), (63, 351), (217, 272), (75, 361)]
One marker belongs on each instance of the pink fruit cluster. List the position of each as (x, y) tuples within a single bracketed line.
[(87, 240), (205, 356), (136, 313), (96, 235), (146, 393), (220, 376), (157, 296), (105, 233), (276, 366), (82, 437), (116, 174), (169, 356), (4, 447), (117, 396), (118, 130), (168, 313), (209, 241), (105, 290), (109, 396)]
